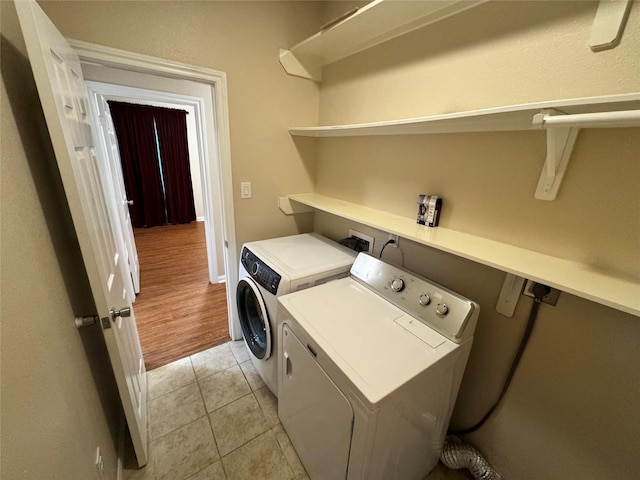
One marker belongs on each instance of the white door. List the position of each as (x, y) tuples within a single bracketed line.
[(109, 145), (58, 76)]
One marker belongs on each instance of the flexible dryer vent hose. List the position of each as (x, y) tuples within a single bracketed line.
[(457, 454)]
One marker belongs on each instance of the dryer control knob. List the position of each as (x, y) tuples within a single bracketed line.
[(254, 268), (397, 285), (424, 300), (442, 309)]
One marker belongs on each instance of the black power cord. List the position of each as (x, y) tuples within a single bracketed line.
[(385, 246), (539, 291)]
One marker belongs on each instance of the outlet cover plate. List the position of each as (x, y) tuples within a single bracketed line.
[(395, 239), (366, 238), (551, 298)]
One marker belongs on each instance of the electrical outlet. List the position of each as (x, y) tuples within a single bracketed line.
[(365, 238), (99, 463), (551, 298), (395, 240)]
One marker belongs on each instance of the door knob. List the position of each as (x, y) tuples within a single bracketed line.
[(86, 321), (123, 312)]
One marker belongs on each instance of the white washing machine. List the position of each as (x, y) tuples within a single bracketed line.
[(370, 367), (274, 267)]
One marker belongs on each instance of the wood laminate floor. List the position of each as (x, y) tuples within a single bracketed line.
[(178, 311)]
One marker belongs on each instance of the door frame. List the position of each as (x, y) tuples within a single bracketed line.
[(217, 173)]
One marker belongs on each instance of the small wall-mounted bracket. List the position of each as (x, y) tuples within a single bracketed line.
[(299, 67), (290, 207), (560, 142), (608, 24), (509, 294)]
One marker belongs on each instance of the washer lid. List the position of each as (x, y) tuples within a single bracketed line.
[(303, 255), (377, 346)]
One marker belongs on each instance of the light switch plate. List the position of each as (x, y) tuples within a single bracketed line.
[(245, 189)]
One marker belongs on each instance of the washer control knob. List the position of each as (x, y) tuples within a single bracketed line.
[(424, 300), (254, 268), (397, 284), (442, 309)]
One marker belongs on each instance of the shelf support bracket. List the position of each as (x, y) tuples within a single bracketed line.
[(297, 67), (560, 143), (608, 24), (291, 207)]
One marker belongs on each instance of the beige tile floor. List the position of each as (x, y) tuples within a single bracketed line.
[(211, 417)]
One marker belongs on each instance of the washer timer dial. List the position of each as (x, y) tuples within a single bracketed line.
[(397, 284), (442, 309), (424, 299)]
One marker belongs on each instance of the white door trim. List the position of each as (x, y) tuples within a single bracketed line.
[(218, 169)]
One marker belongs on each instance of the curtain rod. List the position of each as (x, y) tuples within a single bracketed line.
[(626, 118)]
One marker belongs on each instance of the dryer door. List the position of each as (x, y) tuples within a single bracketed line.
[(316, 415), (254, 318)]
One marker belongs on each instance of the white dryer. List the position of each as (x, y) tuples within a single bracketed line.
[(274, 267), (370, 368)]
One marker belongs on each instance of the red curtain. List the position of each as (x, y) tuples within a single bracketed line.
[(174, 154), (156, 169)]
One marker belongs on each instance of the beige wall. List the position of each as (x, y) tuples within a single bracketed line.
[(572, 409), (241, 39), (331, 10), (59, 401)]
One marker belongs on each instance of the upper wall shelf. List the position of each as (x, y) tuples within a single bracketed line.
[(509, 118), (575, 278), (377, 22), (562, 119), (383, 20)]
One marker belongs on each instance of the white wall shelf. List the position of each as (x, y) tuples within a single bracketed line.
[(509, 118), (575, 278), (562, 119), (382, 20), (375, 23)]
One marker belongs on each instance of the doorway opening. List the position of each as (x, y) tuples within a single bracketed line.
[(108, 67)]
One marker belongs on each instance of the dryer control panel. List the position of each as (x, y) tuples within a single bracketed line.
[(436, 306), (264, 275)]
